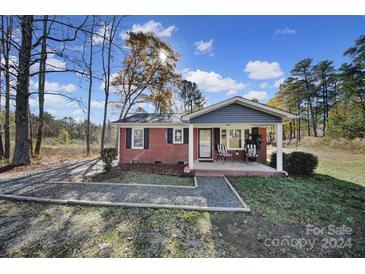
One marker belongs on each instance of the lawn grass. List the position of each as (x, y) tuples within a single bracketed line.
[(319, 199), (347, 165), (135, 177)]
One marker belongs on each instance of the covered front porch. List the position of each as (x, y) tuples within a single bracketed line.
[(204, 158), (232, 168), (234, 123)]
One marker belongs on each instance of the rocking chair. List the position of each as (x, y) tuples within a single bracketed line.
[(222, 152), (251, 153)]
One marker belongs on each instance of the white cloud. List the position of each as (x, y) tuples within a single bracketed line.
[(204, 47), (78, 112), (264, 85), (151, 26), (279, 82), (112, 89), (97, 104), (33, 103), (285, 30), (54, 87), (260, 70), (254, 94), (55, 100), (231, 92), (212, 81), (54, 63), (99, 36)]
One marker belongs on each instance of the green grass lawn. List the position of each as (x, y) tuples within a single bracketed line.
[(338, 163), (319, 199)]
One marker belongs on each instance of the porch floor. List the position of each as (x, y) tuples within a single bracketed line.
[(233, 168)]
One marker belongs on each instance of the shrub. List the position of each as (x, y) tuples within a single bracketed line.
[(301, 163), (273, 160), (108, 155), (297, 162)]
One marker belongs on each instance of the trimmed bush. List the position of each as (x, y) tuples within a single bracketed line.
[(297, 162), (273, 160), (108, 155)]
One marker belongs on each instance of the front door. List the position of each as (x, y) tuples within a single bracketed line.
[(205, 143)]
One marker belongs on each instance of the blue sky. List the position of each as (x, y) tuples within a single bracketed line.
[(225, 55)]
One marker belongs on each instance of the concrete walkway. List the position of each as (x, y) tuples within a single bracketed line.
[(213, 194)]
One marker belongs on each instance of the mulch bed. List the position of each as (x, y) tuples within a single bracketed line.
[(163, 169)]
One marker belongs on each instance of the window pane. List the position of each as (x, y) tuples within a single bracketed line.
[(138, 137), (178, 135), (234, 143)]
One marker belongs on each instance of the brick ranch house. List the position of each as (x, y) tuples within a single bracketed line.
[(193, 138)]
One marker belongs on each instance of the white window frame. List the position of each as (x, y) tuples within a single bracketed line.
[(137, 147), (182, 136), (228, 136)]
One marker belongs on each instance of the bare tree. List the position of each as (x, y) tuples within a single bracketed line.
[(22, 138), (41, 85), (109, 31), (89, 66), (6, 44)]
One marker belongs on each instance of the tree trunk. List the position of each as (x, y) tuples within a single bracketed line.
[(308, 121), (41, 87), (107, 84), (290, 130), (104, 123), (22, 137), (313, 117), (90, 90), (6, 45), (1, 145)]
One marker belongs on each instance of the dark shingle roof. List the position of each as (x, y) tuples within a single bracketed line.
[(152, 118)]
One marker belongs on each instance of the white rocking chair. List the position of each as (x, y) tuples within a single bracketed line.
[(251, 152), (222, 152)]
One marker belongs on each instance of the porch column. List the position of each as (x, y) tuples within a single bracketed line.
[(279, 147), (191, 146)]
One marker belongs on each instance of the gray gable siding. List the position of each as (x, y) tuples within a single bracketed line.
[(235, 113)]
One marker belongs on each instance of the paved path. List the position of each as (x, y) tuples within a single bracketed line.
[(49, 184)]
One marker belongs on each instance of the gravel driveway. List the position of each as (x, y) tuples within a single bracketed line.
[(51, 183)]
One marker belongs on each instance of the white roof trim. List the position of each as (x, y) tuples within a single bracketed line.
[(244, 102)]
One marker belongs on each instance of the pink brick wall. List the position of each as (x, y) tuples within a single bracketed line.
[(159, 149)]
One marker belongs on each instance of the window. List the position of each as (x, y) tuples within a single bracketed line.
[(235, 139), (138, 138), (178, 136), (232, 138)]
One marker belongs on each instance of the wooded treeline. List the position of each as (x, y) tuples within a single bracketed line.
[(330, 101), (87, 47)]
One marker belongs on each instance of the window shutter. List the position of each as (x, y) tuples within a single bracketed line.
[(169, 135), (217, 139), (186, 135), (128, 137), (146, 135)]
